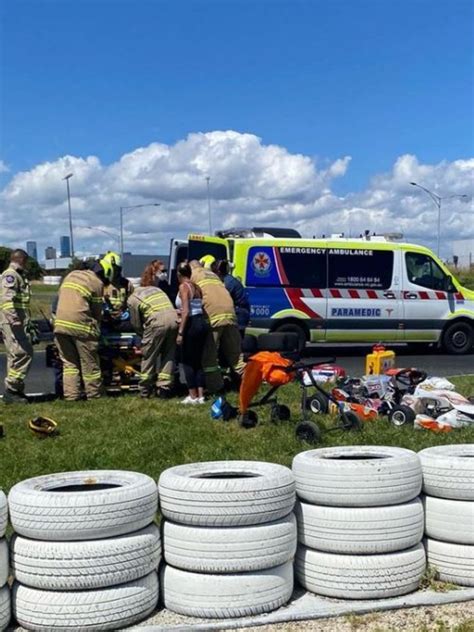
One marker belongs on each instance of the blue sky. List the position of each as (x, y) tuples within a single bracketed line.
[(372, 79)]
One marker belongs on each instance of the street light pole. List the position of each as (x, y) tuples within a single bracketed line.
[(208, 180), (106, 232), (437, 199), (126, 208), (69, 175)]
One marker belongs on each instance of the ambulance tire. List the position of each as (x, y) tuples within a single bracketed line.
[(400, 415), (308, 431), (279, 341), (5, 608), (360, 576), (293, 328), (458, 338), (101, 609), (226, 595), (357, 476), (449, 520), (448, 471), (226, 493), (453, 563), (83, 505)]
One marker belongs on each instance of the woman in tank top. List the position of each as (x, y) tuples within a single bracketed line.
[(192, 334)]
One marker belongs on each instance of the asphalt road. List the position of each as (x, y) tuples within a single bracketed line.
[(352, 358)]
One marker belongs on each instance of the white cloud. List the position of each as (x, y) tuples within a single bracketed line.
[(251, 184), (4, 167)]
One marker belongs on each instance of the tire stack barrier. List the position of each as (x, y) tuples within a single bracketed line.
[(448, 484), (229, 538), (5, 601), (86, 551), (360, 523)]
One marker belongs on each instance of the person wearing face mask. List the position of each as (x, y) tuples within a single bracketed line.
[(160, 276)]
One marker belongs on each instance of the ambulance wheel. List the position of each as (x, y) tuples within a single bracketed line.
[(458, 338), (350, 421), (318, 404), (280, 412), (248, 419), (308, 431), (292, 328), (401, 415)]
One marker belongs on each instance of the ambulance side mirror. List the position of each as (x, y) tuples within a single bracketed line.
[(449, 285)]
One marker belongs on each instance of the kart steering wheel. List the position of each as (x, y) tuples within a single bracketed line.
[(411, 377)]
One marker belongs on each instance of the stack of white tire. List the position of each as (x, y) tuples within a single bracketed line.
[(86, 552), (360, 521), (5, 607), (229, 538), (448, 484)]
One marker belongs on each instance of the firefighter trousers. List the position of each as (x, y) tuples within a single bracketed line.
[(81, 365), (223, 344), (19, 356), (158, 349)]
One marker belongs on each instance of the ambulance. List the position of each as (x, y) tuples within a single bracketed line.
[(328, 290)]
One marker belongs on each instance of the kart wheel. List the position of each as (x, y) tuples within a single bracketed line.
[(280, 412), (248, 419), (400, 415), (308, 431), (318, 404), (350, 421)]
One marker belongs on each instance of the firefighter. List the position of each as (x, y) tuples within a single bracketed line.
[(153, 316), (15, 326), (77, 329), (238, 293), (223, 341), (118, 291)]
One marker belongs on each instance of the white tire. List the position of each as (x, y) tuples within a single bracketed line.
[(3, 513), (360, 576), (226, 493), (449, 520), (224, 596), (360, 530), (83, 505), (454, 562), (448, 471), (357, 476), (5, 608), (230, 549), (4, 562), (85, 565), (85, 610)]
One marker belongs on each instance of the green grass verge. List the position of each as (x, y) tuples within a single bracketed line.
[(149, 436)]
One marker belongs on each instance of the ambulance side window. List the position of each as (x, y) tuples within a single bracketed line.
[(424, 271), (360, 268)]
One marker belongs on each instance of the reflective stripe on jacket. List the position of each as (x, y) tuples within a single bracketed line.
[(146, 306), (14, 296), (216, 300), (79, 309)]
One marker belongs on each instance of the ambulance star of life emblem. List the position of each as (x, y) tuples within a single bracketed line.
[(261, 264)]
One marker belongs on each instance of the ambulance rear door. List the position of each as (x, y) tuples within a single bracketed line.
[(364, 294), (201, 245)]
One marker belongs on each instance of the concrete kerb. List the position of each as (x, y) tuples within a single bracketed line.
[(306, 606)]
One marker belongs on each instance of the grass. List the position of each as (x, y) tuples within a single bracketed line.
[(149, 436), (41, 298)]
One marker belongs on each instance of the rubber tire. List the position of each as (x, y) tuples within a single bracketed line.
[(447, 341), (280, 413), (360, 530), (404, 412), (83, 515), (260, 492), (279, 341), (293, 328), (225, 596), (308, 431), (449, 520), (354, 423), (320, 404), (454, 562), (3, 513), (85, 610), (448, 471), (248, 419), (86, 565), (360, 576), (230, 549), (342, 477), (4, 562), (5, 608)]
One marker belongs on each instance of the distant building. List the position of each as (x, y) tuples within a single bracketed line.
[(133, 265), (57, 265), (463, 249), (65, 246), (32, 250), (50, 252)]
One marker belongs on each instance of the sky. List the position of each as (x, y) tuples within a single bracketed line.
[(315, 114)]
